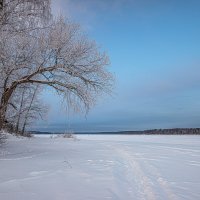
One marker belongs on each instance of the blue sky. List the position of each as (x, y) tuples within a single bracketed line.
[(154, 48)]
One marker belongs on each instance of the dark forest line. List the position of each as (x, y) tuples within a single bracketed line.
[(174, 131)]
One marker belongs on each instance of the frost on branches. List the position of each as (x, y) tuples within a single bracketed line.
[(52, 53)]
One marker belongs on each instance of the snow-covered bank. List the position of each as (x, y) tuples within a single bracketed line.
[(101, 167)]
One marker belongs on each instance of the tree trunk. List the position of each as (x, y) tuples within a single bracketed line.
[(20, 111), (1, 4), (27, 113), (1, 121), (4, 105), (3, 109)]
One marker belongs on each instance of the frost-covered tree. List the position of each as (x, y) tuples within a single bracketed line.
[(34, 109), (59, 56), (27, 107), (18, 19)]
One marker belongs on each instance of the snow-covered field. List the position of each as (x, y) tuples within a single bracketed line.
[(101, 167)]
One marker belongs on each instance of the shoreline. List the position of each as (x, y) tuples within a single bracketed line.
[(173, 131)]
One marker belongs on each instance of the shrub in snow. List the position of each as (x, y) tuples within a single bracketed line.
[(69, 135)]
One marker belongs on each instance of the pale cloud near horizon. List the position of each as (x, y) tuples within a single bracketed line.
[(177, 79)]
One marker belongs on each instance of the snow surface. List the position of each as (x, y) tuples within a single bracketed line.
[(101, 167)]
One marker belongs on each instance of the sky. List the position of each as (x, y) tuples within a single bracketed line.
[(154, 49)]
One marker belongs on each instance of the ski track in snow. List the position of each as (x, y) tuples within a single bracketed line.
[(162, 182), (136, 173)]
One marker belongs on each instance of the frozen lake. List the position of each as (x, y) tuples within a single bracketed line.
[(97, 167)]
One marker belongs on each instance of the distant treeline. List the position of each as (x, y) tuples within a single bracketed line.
[(174, 131)]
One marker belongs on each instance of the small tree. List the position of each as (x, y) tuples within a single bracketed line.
[(33, 110), (27, 107)]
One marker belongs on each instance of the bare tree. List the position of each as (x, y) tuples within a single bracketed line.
[(35, 109), (28, 107), (35, 50), (60, 57), (17, 18)]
